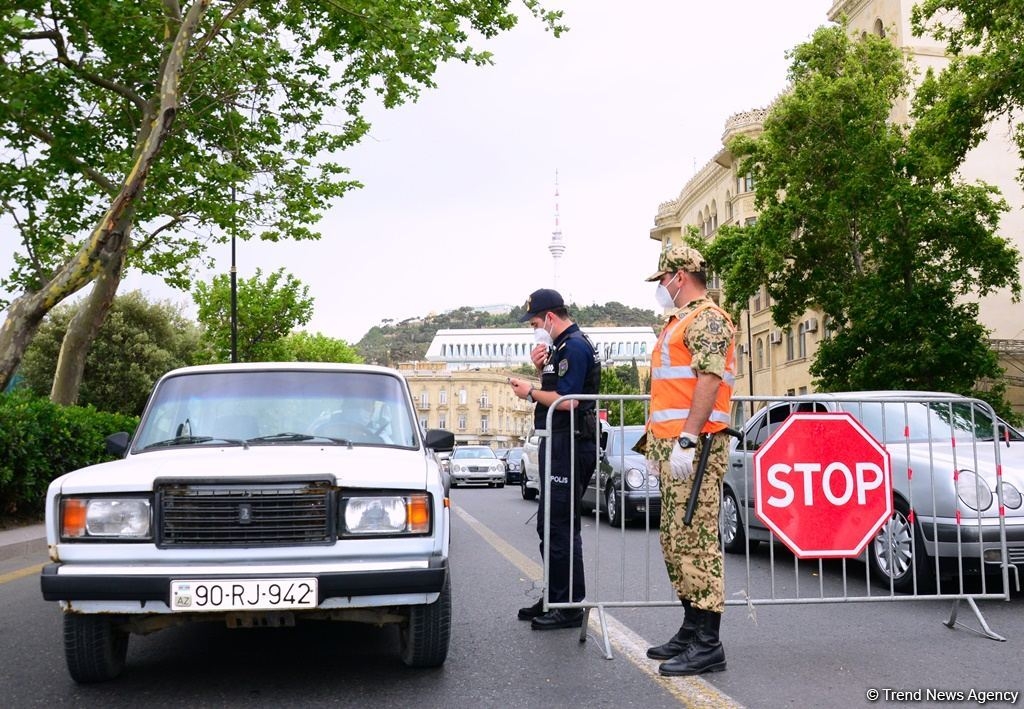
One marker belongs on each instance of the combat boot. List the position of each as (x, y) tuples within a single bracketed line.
[(683, 637), (704, 653)]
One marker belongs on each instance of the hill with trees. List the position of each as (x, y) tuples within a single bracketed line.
[(408, 340)]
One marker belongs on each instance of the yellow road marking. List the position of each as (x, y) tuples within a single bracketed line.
[(20, 573), (690, 691)]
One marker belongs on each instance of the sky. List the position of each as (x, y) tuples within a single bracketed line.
[(459, 204)]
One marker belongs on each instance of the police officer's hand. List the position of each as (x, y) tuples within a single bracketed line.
[(539, 355), (681, 462)]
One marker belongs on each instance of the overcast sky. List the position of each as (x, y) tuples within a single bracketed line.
[(458, 205)]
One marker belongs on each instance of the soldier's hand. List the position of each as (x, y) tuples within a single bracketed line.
[(681, 462)]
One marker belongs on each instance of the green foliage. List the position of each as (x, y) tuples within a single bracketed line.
[(40, 441), (270, 94), (408, 340), (268, 310), (984, 80), (623, 379), (854, 221), (304, 347), (138, 342)]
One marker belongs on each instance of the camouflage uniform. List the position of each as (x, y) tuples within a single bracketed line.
[(693, 556)]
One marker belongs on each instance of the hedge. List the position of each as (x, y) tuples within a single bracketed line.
[(40, 441)]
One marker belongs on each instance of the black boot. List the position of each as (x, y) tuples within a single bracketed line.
[(704, 653), (683, 637)]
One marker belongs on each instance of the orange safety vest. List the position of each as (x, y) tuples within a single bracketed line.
[(673, 381)]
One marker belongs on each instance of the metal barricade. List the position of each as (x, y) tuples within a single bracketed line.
[(943, 450)]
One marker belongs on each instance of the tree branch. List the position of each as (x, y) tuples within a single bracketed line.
[(92, 173), (78, 70)]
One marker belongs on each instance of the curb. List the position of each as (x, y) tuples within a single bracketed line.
[(22, 541)]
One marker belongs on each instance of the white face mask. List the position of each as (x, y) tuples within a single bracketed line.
[(542, 336), (662, 295)]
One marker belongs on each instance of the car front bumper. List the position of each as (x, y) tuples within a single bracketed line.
[(147, 589)]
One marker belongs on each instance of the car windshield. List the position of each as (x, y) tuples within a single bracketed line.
[(278, 407), (939, 421), (473, 453), (623, 439), (514, 455)]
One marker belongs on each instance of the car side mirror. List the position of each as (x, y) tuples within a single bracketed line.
[(117, 443), (439, 440)]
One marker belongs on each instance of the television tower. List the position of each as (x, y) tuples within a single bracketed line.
[(557, 246)]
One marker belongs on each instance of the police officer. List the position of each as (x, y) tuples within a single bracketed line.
[(568, 364), (692, 376)]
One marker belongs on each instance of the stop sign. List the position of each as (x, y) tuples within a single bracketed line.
[(823, 485)]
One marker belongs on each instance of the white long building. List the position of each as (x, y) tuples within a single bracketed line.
[(510, 347)]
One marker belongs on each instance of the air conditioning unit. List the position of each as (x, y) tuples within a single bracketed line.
[(775, 337), (811, 325)]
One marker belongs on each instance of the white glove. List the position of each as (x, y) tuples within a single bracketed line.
[(681, 462)]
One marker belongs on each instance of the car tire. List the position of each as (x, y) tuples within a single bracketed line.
[(95, 649), (730, 525), (612, 506), (426, 635), (892, 557), (501, 485), (528, 492)]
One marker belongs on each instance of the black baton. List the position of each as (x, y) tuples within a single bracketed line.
[(698, 477)]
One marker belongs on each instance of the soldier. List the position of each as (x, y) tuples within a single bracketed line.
[(568, 364), (692, 373)]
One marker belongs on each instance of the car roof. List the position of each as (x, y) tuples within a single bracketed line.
[(284, 366), (883, 394)]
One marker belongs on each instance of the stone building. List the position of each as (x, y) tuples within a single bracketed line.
[(775, 361)]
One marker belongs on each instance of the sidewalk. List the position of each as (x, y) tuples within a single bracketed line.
[(22, 540)]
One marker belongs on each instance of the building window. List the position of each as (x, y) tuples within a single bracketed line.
[(423, 423), (424, 399), (801, 343), (442, 421), (462, 422), (485, 424), (879, 28), (462, 397), (442, 397), (789, 344), (760, 352), (748, 183)]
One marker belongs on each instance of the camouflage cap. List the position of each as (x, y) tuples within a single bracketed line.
[(678, 257)]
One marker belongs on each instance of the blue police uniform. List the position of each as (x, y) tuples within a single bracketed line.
[(573, 367)]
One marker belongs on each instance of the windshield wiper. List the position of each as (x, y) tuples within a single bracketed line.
[(298, 437), (193, 440)]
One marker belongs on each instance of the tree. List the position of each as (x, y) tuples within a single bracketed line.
[(139, 342), (268, 310), (615, 381), (854, 220), (984, 80), (188, 123), (304, 347)]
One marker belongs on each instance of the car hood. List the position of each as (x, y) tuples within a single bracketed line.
[(630, 460), (943, 457), (360, 466)]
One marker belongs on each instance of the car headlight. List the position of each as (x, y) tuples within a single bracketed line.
[(386, 514), (106, 517), (495, 467), (635, 477), (972, 491), (1011, 495), (653, 482)]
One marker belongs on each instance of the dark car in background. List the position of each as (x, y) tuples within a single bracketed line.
[(513, 458), (622, 487)]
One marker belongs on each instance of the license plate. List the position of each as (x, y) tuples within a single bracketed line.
[(243, 594)]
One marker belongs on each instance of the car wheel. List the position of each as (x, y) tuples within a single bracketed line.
[(612, 505), (426, 635), (528, 492), (730, 525), (94, 648), (897, 550), (501, 485)]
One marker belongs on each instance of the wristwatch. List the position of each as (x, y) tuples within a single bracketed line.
[(529, 395), (687, 442)]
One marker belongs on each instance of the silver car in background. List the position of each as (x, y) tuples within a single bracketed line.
[(946, 490)]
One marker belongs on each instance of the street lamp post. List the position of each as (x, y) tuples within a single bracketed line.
[(234, 286)]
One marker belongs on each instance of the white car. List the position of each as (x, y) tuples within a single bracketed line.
[(529, 480), (256, 495), (946, 489)]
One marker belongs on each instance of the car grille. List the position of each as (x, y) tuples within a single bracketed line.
[(479, 468), (248, 514)]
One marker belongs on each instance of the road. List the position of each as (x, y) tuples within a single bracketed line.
[(822, 655)]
